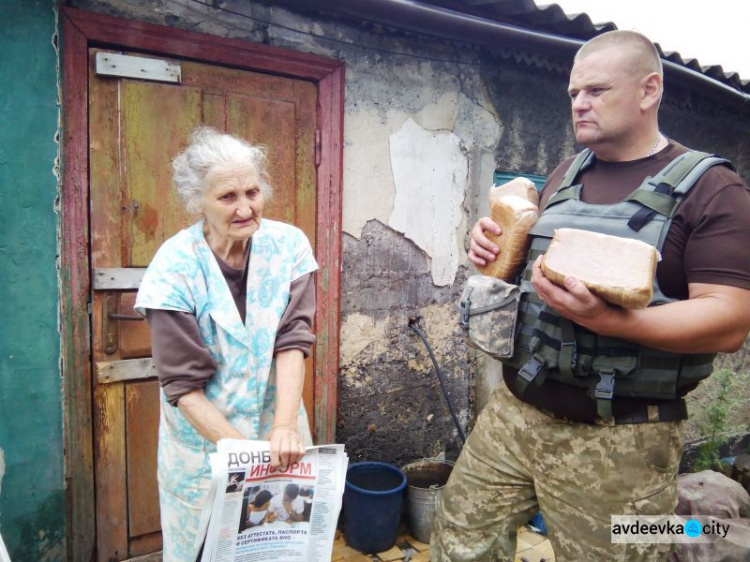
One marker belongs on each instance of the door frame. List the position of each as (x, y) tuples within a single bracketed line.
[(80, 31)]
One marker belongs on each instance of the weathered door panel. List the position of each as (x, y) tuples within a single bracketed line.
[(135, 129)]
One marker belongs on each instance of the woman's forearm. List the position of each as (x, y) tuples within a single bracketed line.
[(206, 418), (290, 379)]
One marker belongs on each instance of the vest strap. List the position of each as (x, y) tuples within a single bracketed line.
[(582, 160), (565, 193), (603, 393), (657, 201), (568, 351), (676, 171)]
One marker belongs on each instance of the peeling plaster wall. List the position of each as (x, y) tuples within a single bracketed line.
[(419, 139), (431, 176), (426, 124), (390, 406)]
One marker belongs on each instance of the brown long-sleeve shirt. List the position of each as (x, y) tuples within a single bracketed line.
[(182, 360)]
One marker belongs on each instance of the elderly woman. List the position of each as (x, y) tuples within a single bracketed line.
[(230, 302)]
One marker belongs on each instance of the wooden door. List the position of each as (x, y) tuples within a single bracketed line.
[(135, 128)]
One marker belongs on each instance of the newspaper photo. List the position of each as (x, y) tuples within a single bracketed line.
[(256, 513)]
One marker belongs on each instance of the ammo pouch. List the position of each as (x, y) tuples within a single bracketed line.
[(487, 314)]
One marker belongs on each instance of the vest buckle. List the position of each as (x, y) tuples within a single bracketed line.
[(464, 308), (532, 368), (526, 374), (605, 388)]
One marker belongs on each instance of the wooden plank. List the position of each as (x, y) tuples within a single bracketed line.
[(328, 252), (108, 372), (307, 188), (248, 118), (198, 46), (111, 485), (141, 68), (226, 81), (118, 278), (214, 111), (153, 557), (143, 547), (106, 170), (142, 422), (74, 294), (156, 122)]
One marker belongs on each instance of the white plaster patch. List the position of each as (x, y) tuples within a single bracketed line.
[(369, 189), (441, 115), (431, 176), (357, 332)]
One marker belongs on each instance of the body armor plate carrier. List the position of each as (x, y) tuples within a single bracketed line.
[(550, 346)]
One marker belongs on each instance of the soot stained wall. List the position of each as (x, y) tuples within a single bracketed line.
[(391, 406), (511, 112)]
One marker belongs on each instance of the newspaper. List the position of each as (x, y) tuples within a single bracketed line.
[(256, 513)]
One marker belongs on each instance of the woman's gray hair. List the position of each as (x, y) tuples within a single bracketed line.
[(210, 150)]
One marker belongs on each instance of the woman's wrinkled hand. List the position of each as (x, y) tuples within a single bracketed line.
[(481, 249), (287, 446)]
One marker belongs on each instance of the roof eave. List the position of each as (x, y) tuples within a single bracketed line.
[(428, 19)]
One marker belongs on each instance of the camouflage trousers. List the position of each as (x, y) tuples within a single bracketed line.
[(519, 460)]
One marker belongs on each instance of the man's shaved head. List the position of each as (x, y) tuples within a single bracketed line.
[(643, 60)]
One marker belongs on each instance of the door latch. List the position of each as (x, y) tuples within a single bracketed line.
[(110, 322)]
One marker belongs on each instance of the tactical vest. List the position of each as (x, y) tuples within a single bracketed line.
[(550, 346)]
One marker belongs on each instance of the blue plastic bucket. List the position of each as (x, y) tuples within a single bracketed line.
[(373, 500)]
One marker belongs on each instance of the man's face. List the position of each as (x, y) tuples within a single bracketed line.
[(605, 99)]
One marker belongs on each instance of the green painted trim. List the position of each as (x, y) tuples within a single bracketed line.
[(500, 177), (32, 496)]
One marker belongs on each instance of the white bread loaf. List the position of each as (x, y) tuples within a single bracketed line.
[(521, 187), (619, 270), (514, 206)]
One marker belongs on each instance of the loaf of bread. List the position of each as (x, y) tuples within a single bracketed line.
[(514, 206), (619, 270)]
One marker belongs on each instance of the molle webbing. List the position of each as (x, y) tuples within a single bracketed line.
[(548, 345)]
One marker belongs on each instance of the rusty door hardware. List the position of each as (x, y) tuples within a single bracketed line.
[(110, 322), (127, 317)]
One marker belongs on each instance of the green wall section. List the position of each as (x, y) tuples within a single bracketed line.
[(32, 497)]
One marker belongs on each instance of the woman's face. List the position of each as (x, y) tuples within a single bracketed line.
[(233, 204)]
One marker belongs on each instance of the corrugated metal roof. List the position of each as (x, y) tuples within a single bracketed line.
[(543, 28), (551, 18)]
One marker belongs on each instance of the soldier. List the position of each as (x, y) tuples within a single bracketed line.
[(598, 433)]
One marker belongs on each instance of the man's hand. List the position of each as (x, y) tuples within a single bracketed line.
[(573, 301), (481, 249), (715, 318), (287, 446)]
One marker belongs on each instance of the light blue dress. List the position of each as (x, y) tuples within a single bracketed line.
[(185, 276)]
